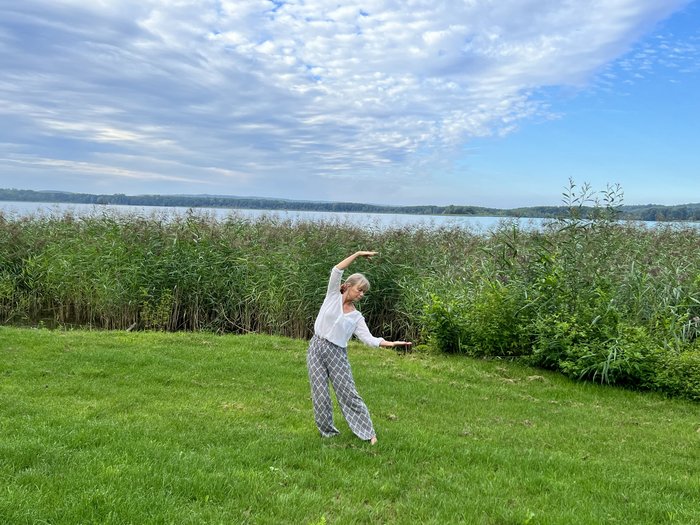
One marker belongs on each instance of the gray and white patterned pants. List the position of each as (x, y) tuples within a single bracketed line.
[(328, 361)]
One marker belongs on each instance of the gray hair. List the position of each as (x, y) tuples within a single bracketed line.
[(356, 279)]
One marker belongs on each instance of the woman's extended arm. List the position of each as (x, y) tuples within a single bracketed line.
[(364, 335), (348, 260), (391, 344)]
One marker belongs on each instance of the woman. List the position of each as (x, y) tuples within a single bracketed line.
[(327, 357)]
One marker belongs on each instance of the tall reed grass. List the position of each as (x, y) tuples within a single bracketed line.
[(195, 272)]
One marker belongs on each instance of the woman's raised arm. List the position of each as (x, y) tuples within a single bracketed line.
[(348, 260)]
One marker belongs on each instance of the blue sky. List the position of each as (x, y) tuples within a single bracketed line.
[(403, 102)]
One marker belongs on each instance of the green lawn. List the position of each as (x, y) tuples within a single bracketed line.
[(115, 427)]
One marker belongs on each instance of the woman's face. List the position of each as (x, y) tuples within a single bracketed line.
[(354, 293)]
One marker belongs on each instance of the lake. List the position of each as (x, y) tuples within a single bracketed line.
[(382, 221)]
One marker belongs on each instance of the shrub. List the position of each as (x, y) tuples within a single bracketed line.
[(678, 373), (446, 322)]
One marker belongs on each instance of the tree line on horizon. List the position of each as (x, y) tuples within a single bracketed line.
[(644, 212)]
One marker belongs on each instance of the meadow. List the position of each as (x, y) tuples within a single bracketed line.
[(193, 427)]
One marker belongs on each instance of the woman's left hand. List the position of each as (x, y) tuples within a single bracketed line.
[(393, 344)]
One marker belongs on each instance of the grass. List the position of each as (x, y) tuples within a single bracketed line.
[(117, 427)]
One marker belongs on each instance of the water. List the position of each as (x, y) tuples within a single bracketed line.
[(370, 220), (381, 221)]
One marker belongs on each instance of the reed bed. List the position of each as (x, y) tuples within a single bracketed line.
[(194, 272)]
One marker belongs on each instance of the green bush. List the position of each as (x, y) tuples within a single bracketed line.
[(445, 323), (678, 374), (623, 360)]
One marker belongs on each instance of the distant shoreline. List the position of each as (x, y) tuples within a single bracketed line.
[(648, 212)]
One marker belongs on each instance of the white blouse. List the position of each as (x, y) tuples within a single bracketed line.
[(336, 326)]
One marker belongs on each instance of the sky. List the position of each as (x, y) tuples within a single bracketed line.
[(496, 103)]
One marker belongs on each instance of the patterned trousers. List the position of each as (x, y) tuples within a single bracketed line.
[(328, 361)]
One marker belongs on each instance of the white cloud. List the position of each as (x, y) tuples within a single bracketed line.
[(312, 89)]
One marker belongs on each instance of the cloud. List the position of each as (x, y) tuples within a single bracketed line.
[(663, 54), (297, 95)]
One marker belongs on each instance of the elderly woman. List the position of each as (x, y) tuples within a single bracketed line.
[(327, 357)]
